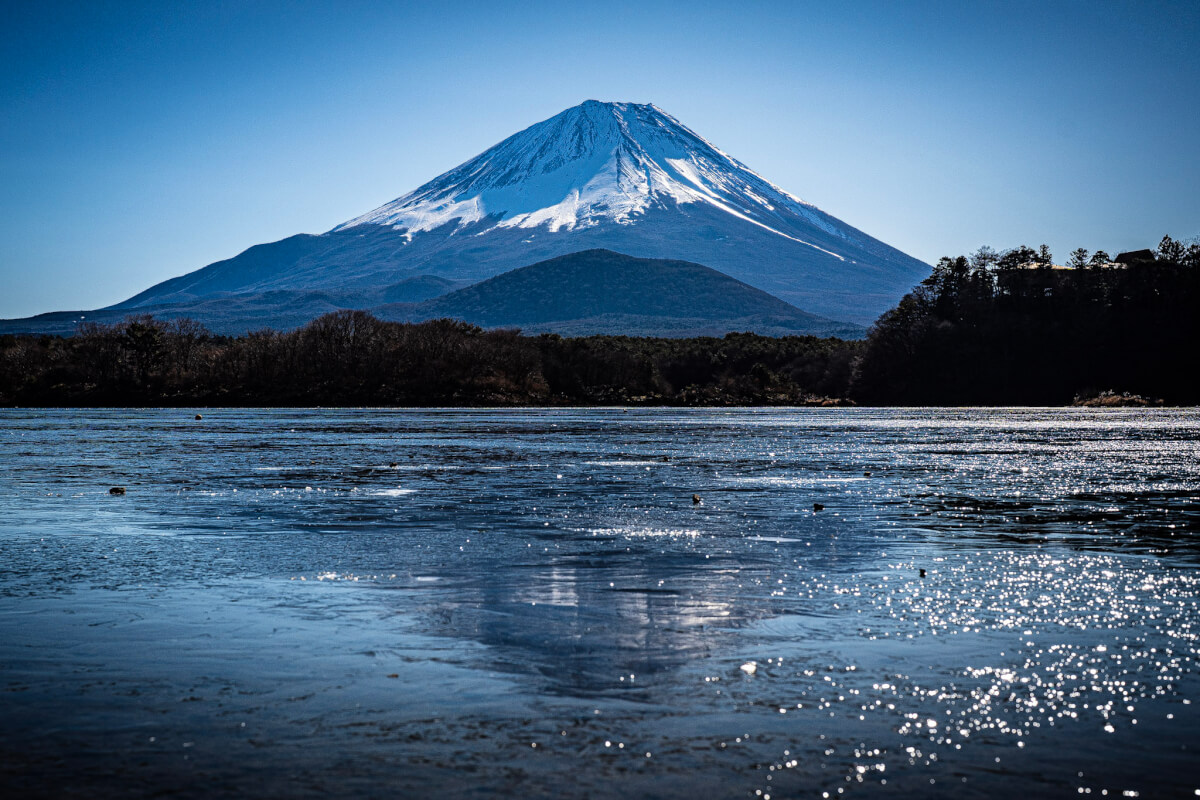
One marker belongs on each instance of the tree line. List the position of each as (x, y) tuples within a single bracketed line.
[(353, 358), (992, 328)]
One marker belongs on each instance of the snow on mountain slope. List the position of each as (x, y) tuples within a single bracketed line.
[(594, 163)]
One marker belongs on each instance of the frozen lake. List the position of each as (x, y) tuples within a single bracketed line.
[(529, 603)]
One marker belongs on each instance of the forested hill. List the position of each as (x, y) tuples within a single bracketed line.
[(1012, 328)]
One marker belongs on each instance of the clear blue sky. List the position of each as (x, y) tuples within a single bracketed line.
[(139, 141)]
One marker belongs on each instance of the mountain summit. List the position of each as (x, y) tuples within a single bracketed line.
[(618, 176), (593, 164)]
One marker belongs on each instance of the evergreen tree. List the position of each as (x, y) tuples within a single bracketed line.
[(1170, 250), (1079, 258), (1043, 256), (984, 258), (1017, 258)]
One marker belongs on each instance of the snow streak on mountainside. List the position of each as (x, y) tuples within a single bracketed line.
[(595, 163)]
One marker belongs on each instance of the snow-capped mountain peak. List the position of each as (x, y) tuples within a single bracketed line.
[(596, 162), (623, 177)]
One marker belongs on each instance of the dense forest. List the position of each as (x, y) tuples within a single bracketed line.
[(352, 358), (988, 329), (1013, 328)]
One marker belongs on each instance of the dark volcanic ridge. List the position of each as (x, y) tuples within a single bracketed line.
[(581, 294), (599, 291)]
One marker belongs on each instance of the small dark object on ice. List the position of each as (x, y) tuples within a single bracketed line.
[(695, 499), (866, 474), (1111, 399), (199, 417), (818, 507), (393, 465), (922, 572), (394, 675), (117, 490)]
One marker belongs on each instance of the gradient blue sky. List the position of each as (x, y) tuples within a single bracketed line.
[(139, 141)]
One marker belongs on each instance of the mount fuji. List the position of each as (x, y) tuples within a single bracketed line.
[(618, 176)]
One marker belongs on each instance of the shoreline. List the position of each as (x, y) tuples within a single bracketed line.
[(838, 406)]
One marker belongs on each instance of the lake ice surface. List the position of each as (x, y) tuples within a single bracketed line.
[(528, 602)]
